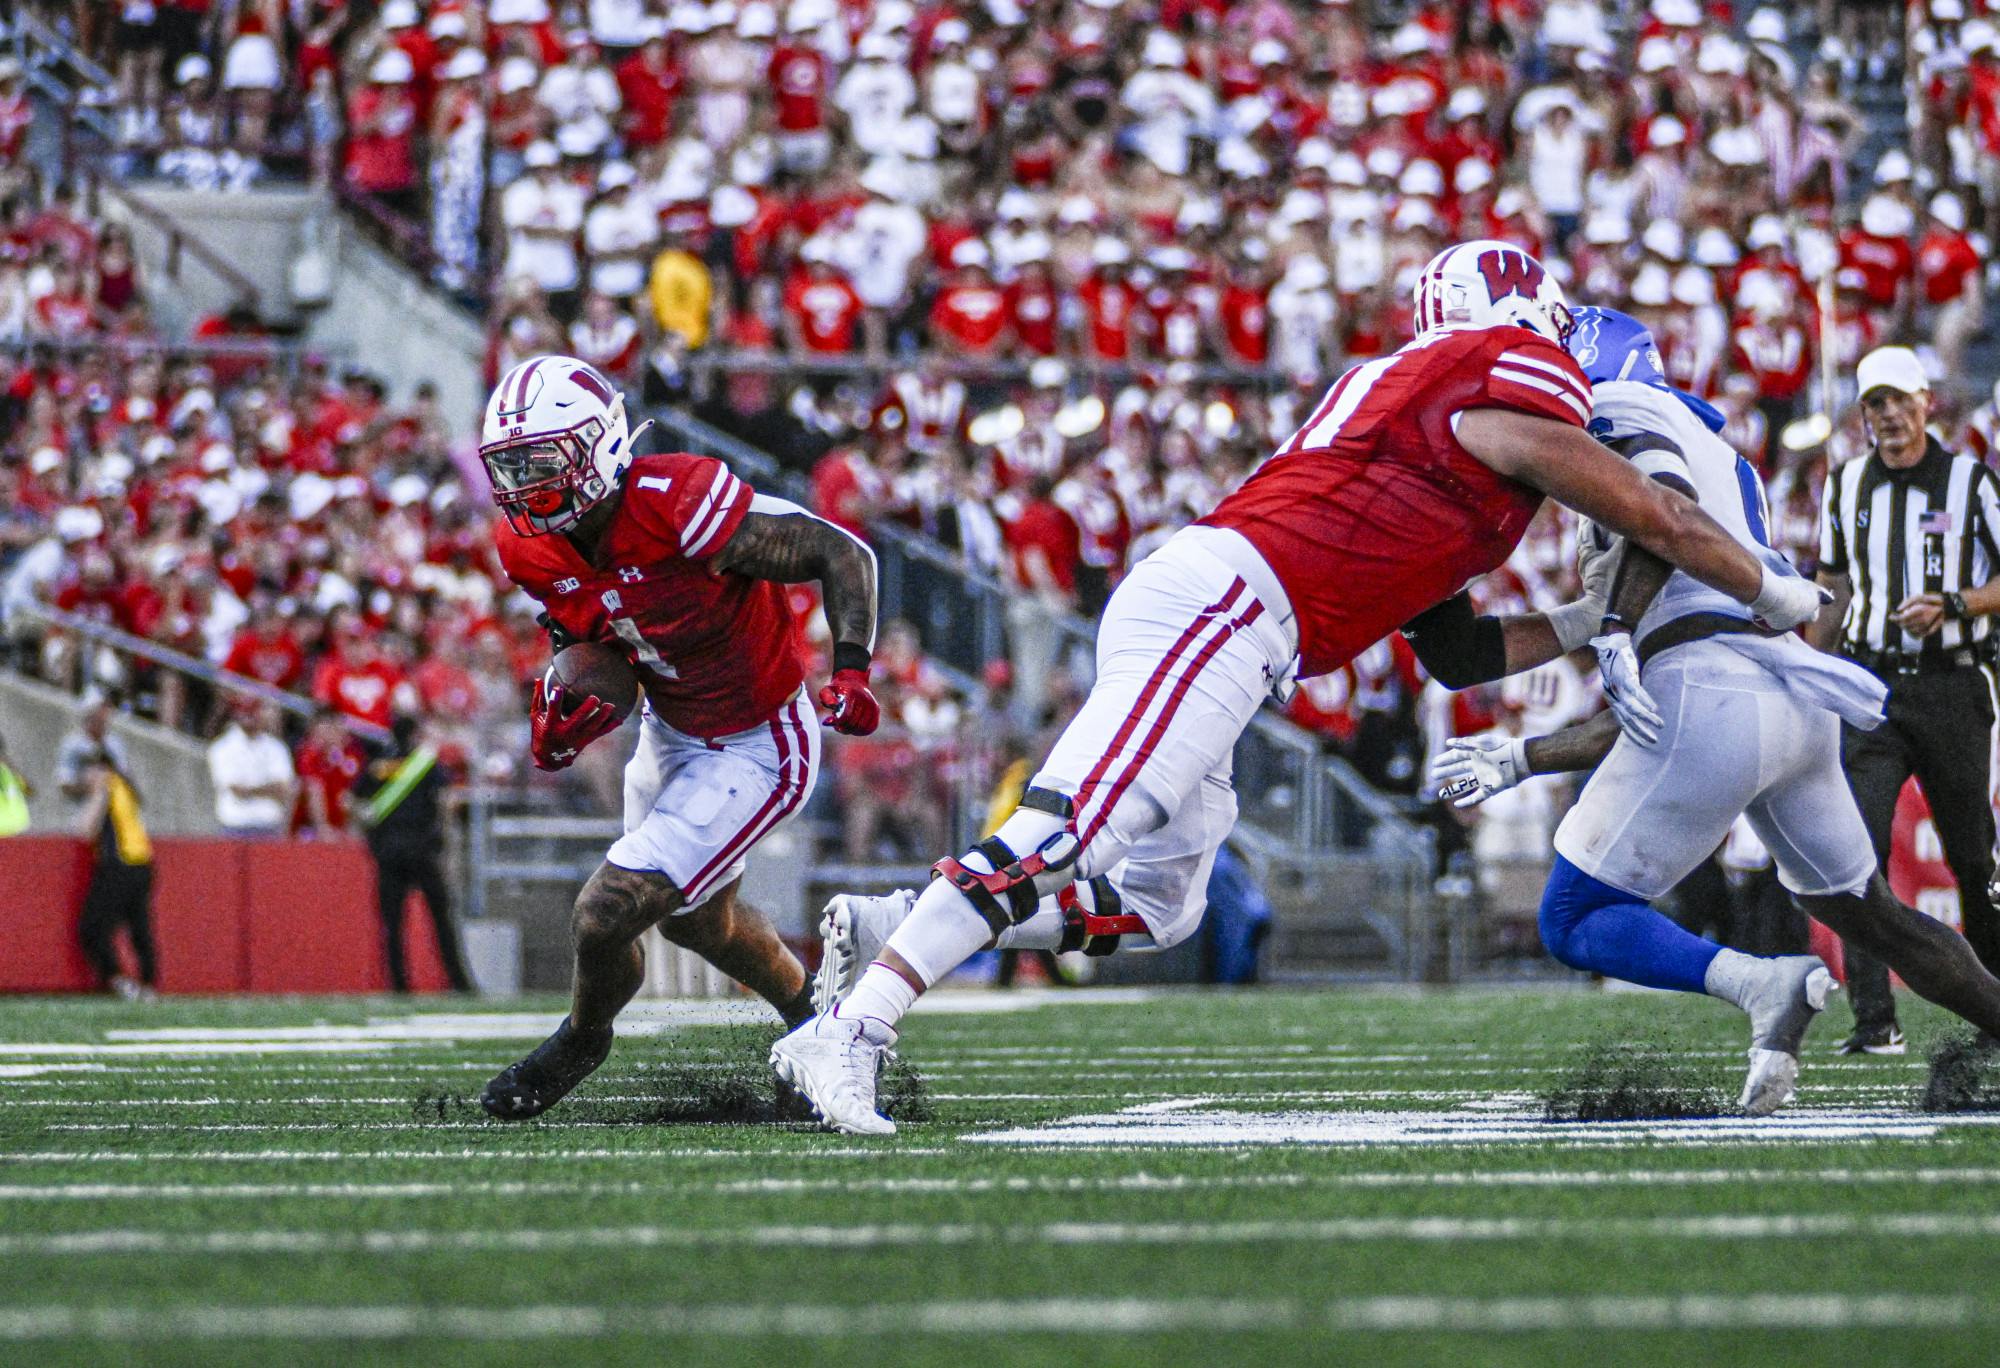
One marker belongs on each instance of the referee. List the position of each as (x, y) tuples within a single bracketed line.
[(1908, 546)]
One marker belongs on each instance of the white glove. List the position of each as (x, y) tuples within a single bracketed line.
[(1788, 600), (1618, 668), (1471, 769)]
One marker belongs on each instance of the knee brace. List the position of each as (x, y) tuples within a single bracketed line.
[(1095, 929), (1009, 892)]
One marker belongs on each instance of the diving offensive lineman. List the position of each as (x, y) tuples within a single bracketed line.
[(677, 561), (1416, 472)]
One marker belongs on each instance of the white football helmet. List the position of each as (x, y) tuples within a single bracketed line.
[(1486, 283), (555, 443)]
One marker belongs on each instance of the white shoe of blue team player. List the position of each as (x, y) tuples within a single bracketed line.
[(833, 1063), (1781, 1008), (852, 932)]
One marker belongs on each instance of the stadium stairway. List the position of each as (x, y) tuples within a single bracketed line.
[(170, 769), (307, 264)]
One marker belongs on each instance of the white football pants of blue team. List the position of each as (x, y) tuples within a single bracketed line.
[(1734, 742)]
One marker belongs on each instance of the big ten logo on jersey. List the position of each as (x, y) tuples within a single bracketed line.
[(569, 584), (1509, 273)]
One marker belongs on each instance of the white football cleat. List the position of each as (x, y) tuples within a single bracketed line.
[(1780, 1012), (833, 1064), (852, 932)]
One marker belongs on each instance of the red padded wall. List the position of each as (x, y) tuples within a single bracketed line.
[(228, 917), (198, 915), (42, 879)]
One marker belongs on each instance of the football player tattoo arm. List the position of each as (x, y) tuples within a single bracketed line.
[(1569, 465), (1580, 747), (782, 542)]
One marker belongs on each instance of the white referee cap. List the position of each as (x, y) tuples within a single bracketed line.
[(1896, 367)]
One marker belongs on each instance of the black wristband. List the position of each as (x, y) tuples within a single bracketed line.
[(848, 655), (1955, 609)]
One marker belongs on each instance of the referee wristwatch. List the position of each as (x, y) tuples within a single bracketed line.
[(1955, 609)]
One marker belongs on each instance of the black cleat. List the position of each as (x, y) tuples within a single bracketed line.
[(1880, 1040), (554, 1067)]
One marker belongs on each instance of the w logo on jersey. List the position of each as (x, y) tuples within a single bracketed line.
[(1510, 273)]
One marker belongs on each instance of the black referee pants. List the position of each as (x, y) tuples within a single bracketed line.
[(119, 895), (399, 871), (1940, 730)]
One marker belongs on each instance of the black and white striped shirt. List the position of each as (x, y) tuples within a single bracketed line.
[(1929, 529)]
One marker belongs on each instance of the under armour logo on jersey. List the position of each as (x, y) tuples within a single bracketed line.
[(611, 601), (568, 585), (631, 574), (1508, 273)]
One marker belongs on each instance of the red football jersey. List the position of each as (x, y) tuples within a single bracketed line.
[(716, 653), (1372, 512)]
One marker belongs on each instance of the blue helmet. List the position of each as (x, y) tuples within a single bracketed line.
[(1610, 345)]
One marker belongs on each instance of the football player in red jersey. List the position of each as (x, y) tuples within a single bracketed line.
[(1417, 472), (676, 561)]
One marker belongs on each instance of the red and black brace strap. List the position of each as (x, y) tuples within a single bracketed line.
[(1012, 880), (1096, 933), (1008, 896)]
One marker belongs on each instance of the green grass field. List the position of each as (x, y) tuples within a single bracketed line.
[(1104, 1178)]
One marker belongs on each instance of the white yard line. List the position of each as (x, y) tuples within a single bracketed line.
[(1086, 1317), (289, 1156), (1129, 1183), (1345, 1230), (1885, 1094)]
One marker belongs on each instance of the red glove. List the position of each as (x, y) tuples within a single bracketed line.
[(556, 740), (851, 708)]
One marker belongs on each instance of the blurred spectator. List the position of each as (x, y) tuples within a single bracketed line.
[(94, 772), (329, 762), (382, 132), (250, 768), (15, 791), (1236, 923)]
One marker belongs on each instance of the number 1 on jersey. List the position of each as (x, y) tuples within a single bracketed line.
[(628, 632)]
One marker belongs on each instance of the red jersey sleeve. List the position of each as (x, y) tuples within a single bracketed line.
[(1531, 374), (692, 504)]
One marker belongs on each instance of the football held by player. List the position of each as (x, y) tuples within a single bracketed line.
[(677, 563), (1416, 473)]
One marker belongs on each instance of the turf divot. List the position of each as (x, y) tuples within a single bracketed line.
[(1964, 1076), (1616, 1082), (737, 1091)]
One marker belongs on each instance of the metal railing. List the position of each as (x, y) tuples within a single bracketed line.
[(181, 245), (726, 361), (43, 53), (125, 644)]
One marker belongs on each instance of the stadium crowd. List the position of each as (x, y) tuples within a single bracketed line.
[(1043, 281)]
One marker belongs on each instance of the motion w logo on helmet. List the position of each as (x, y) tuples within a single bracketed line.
[(1508, 273)]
